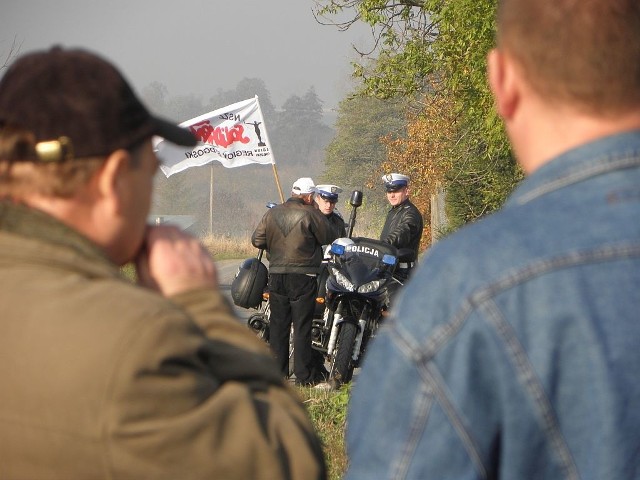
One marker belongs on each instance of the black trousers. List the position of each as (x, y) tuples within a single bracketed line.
[(292, 298)]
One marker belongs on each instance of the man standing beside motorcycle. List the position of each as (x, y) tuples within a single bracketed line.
[(326, 198), (403, 225), (292, 233)]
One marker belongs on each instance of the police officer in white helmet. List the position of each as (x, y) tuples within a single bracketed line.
[(326, 198), (403, 225)]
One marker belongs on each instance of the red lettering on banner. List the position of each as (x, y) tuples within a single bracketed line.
[(221, 136)]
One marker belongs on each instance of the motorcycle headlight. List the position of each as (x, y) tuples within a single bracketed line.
[(342, 280), (370, 287)]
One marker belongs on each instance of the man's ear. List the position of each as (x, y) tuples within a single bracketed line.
[(112, 179), (504, 82)]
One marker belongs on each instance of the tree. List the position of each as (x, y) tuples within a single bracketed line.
[(425, 152), (403, 30), (155, 96), (354, 158), (184, 107), (356, 152), (437, 49), (300, 135), (13, 52), (245, 89)]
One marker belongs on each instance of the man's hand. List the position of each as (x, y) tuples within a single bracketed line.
[(173, 262)]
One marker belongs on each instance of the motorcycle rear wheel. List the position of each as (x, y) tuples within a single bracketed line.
[(342, 365)]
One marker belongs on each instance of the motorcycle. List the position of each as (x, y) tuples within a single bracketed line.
[(359, 271), (351, 302), (259, 321)]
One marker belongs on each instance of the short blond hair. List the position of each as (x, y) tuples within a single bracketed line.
[(580, 52)]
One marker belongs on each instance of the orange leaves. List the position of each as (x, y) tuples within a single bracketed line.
[(425, 153)]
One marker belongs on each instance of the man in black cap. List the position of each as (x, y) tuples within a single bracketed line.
[(102, 378), (403, 225)]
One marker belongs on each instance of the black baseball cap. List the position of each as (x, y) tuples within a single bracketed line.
[(82, 98)]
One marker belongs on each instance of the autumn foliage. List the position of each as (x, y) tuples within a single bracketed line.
[(424, 154)]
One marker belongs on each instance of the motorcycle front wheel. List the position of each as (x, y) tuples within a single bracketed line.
[(342, 365)]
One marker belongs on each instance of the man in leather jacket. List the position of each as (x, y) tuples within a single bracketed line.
[(292, 233), (403, 225), (326, 198)]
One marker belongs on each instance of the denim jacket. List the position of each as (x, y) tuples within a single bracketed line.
[(514, 352)]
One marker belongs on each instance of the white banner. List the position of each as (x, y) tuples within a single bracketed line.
[(234, 136)]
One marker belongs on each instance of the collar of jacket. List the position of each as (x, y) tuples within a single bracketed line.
[(607, 154), (400, 205), (296, 200), (24, 221)]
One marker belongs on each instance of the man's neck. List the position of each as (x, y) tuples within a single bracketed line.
[(557, 130)]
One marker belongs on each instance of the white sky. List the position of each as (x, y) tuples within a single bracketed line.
[(196, 46)]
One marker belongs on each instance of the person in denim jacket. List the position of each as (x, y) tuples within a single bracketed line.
[(514, 351)]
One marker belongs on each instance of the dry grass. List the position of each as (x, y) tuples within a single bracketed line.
[(328, 411), (223, 247)]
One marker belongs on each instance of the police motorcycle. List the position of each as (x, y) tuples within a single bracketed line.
[(359, 272), (352, 296)]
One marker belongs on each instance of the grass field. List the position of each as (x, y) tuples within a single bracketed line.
[(328, 411)]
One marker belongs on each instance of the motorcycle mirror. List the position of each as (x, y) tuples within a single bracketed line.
[(356, 198)]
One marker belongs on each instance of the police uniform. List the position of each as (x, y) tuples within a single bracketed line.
[(330, 193), (403, 225)]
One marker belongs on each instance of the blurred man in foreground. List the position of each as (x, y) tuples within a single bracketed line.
[(513, 352), (102, 378)]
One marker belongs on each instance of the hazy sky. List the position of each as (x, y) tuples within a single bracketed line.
[(196, 46)]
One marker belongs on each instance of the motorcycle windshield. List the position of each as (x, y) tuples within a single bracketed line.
[(362, 260)]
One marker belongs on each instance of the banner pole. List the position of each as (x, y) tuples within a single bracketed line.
[(273, 161), (275, 174), (211, 201)]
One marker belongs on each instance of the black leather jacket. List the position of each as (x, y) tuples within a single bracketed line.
[(338, 224), (292, 234), (403, 227)]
